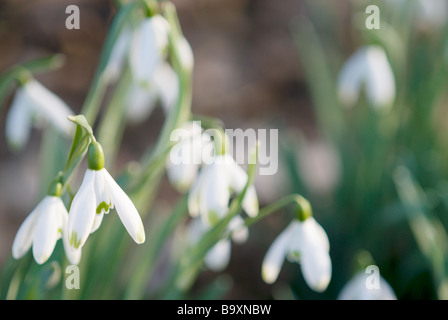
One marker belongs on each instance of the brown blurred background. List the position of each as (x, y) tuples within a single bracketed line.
[(246, 73)]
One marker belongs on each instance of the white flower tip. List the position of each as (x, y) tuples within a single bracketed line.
[(322, 285), (269, 273)]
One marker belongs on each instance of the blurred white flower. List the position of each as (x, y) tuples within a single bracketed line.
[(210, 194), (218, 257), (148, 48), (369, 68), (356, 289), (118, 55), (305, 243), (33, 102), (186, 156), (98, 194), (141, 101), (43, 227)]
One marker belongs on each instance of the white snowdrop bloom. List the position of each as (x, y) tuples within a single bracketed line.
[(210, 194), (305, 243), (32, 102), (357, 289), (43, 227), (369, 68), (141, 101), (186, 53), (148, 48), (185, 157), (218, 257), (98, 194)]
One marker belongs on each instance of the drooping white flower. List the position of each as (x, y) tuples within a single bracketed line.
[(357, 289), (43, 227), (163, 87), (32, 102), (210, 194), (305, 243), (148, 48), (118, 54), (218, 257), (98, 194), (185, 157), (369, 68)]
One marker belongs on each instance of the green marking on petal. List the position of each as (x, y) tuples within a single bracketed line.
[(74, 241), (103, 206)]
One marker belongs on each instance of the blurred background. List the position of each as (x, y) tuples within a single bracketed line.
[(254, 63)]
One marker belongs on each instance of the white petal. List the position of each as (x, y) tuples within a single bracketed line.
[(314, 234), (218, 257), (240, 233), (73, 256), (102, 192), (24, 237), (50, 106), (167, 83), (48, 229), (351, 77), (316, 268), (356, 289), (140, 103), (186, 54), (238, 180), (194, 194), (275, 256), (18, 121), (214, 194), (380, 86), (82, 212), (126, 210), (148, 42)]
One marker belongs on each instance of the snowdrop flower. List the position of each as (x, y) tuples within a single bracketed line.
[(118, 54), (32, 102), (210, 194), (186, 156), (368, 67), (304, 242), (98, 194), (164, 87), (218, 257), (357, 289), (43, 227), (148, 48)]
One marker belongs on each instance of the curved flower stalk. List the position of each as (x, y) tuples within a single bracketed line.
[(304, 241), (356, 289), (218, 257), (43, 227), (98, 194), (185, 158), (368, 67), (33, 102), (218, 179)]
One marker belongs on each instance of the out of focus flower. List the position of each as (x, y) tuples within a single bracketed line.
[(186, 156), (43, 227), (357, 289), (304, 242), (210, 194), (35, 104), (218, 257), (148, 48), (164, 88), (98, 194), (367, 68)]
